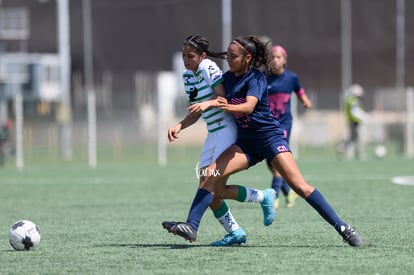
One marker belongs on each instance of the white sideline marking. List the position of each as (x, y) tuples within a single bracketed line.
[(403, 180)]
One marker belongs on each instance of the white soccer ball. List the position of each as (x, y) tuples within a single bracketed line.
[(24, 235), (380, 151)]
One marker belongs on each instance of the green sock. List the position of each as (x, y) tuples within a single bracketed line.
[(241, 197), (218, 213)]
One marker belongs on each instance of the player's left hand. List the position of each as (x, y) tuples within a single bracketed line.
[(196, 108), (222, 103)]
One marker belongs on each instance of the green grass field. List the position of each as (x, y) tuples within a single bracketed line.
[(108, 220)]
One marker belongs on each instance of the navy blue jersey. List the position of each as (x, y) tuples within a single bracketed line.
[(253, 83), (280, 88), (259, 134)]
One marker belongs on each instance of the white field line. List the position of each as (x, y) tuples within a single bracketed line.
[(403, 180)]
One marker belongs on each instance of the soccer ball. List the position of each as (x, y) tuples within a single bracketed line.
[(24, 235), (380, 151)]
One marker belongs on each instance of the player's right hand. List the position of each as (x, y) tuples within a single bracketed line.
[(173, 133)]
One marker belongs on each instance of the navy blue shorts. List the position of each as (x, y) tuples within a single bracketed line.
[(260, 147)]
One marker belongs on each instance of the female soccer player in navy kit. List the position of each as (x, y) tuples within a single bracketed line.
[(281, 83), (203, 82), (259, 137)]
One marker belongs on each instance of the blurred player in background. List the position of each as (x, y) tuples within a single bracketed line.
[(5, 146), (203, 83), (259, 137), (281, 83), (355, 116)]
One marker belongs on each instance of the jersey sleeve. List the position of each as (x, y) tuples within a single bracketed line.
[(211, 73), (257, 86), (297, 87)]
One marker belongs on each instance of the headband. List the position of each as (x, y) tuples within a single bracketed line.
[(235, 41)]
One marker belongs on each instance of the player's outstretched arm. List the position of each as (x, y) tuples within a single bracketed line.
[(243, 108), (189, 120)]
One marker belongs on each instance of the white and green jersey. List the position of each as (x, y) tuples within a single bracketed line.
[(199, 87)]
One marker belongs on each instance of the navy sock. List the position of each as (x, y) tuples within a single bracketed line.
[(201, 202), (277, 184), (285, 188), (318, 202)]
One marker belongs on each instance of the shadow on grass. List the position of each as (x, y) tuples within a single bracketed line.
[(186, 246), (141, 245)]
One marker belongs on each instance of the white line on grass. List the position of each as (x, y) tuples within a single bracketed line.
[(403, 180)]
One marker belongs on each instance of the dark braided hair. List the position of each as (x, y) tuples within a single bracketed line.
[(258, 49), (201, 44)]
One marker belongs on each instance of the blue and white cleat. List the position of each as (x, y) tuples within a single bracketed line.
[(236, 237), (268, 206)]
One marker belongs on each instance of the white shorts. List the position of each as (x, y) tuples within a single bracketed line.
[(216, 143)]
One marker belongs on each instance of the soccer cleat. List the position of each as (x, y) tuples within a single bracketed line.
[(277, 203), (168, 225), (350, 236), (182, 229), (268, 206), (236, 237), (291, 198)]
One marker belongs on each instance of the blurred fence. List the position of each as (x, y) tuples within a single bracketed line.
[(129, 119)]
